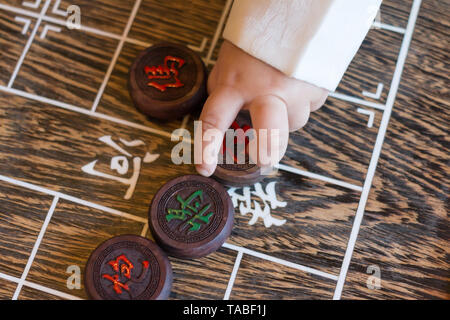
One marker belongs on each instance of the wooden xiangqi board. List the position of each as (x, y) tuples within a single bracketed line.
[(64, 105)]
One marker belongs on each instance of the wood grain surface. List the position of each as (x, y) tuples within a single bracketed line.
[(406, 229), (22, 213), (97, 14), (317, 222), (73, 233), (33, 5), (336, 142), (11, 50), (193, 279), (291, 230), (55, 144), (7, 289), (186, 22), (374, 63), (395, 13), (259, 279), (71, 63), (33, 294)]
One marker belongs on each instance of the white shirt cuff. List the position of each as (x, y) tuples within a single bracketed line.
[(310, 40)]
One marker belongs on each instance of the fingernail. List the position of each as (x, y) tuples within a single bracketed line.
[(203, 172)]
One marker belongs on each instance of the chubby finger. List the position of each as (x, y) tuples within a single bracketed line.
[(270, 120), (212, 79), (298, 116), (219, 112), (318, 103)]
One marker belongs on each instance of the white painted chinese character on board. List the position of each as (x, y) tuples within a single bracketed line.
[(120, 163), (269, 201)]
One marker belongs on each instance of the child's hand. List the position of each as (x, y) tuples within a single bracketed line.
[(275, 101)]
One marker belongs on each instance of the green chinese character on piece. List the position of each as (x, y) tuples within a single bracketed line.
[(192, 211)]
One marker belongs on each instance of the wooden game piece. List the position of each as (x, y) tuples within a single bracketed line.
[(128, 267), (167, 81), (191, 216), (234, 174)]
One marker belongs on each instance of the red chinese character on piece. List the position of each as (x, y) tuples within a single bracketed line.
[(124, 270), (116, 283), (165, 72), (239, 139)]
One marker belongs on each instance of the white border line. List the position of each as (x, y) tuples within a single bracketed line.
[(378, 146), (237, 263), (35, 247), (28, 44), (116, 55), (280, 261)]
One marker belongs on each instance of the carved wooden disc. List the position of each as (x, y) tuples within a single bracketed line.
[(128, 267), (167, 81), (235, 174), (191, 216)]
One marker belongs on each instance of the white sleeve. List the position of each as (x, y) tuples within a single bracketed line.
[(311, 40)]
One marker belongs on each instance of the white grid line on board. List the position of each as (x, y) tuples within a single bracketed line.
[(63, 196), (28, 44), (319, 177), (33, 5), (280, 261), (230, 285), (116, 55), (76, 109), (39, 287), (128, 216), (37, 243)]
